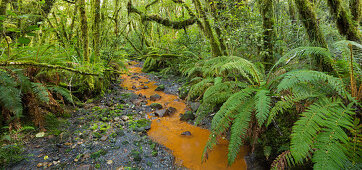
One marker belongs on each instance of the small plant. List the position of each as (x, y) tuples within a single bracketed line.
[(10, 154)]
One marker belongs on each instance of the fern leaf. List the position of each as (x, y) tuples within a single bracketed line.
[(40, 92), (305, 53), (223, 118), (262, 105), (62, 91), (294, 78), (198, 89), (239, 129)]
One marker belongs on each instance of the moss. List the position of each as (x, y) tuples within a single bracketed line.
[(10, 154), (309, 19), (151, 64), (98, 153)]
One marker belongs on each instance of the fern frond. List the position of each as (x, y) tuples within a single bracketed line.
[(10, 98), (223, 118), (216, 95), (198, 89), (294, 78), (62, 91), (40, 92), (320, 127), (239, 130), (306, 53), (287, 103), (282, 161), (330, 150), (262, 105), (222, 66)]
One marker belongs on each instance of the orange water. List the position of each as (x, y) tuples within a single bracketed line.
[(167, 131)]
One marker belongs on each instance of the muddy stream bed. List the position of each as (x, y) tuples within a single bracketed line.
[(170, 131), (115, 132)]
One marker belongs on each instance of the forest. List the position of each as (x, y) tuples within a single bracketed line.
[(180, 84)]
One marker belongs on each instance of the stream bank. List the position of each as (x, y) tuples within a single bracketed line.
[(112, 133)]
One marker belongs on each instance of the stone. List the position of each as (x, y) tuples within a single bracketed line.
[(125, 118), (85, 167), (187, 116), (116, 119), (156, 106), (186, 133), (109, 162), (160, 88), (170, 111), (194, 106), (104, 138), (155, 97), (160, 113)]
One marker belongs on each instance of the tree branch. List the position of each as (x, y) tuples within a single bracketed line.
[(160, 20)]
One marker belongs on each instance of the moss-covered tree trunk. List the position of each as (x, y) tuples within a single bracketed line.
[(96, 31), (218, 29), (269, 34), (84, 29), (75, 12), (356, 10), (309, 20), (344, 21), (115, 17), (3, 7), (291, 9), (215, 47)]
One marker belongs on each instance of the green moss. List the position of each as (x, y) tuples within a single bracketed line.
[(151, 64), (10, 154), (98, 153)]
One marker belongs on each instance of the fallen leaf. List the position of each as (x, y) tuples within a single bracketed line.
[(46, 157), (109, 162), (40, 134)]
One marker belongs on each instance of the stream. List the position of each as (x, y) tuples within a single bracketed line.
[(167, 130)]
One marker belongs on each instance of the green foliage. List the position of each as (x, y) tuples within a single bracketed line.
[(41, 92), (10, 154), (321, 131), (62, 91)]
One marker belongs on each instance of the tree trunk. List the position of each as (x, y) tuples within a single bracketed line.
[(355, 6), (3, 7), (291, 9), (218, 30), (309, 20), (115, 17), (215, 47), (96, 32), (269, 34), (344, 22), (84, 29)]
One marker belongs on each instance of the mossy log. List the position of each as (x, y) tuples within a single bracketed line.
[(49, 66), (166, 22)]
